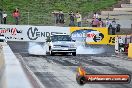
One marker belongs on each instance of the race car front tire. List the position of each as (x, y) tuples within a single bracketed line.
[(74, 53), (51, 53)]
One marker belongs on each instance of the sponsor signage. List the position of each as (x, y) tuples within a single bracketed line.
[(90, 35), (12, 31), (82, 77), (40, 33), (34, 33), (30, 33)]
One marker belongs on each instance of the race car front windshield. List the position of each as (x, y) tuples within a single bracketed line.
[(61, 38)]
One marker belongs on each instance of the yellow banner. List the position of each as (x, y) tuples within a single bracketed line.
[(90, 35), (111, 39)]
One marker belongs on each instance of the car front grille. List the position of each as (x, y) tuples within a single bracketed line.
[(61, 46)]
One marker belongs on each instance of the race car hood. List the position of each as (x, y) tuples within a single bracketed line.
[(63, 43)]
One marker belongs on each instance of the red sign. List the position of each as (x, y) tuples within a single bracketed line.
[(13, 31), (91, 35)]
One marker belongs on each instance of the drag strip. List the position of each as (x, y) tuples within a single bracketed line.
[(60, 71)]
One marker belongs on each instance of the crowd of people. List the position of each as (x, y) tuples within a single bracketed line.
[(75, 19), (96, 20), (59, 18), (15, 15)]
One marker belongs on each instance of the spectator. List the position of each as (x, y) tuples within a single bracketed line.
[(71, 14), (100, 23), (114, 20), (95, 22), (61, 17), (121, 44), (96, 15), (88, 23), (118, 28), (4, 17), (79, 19), (1, 16), (113, 26), (56, 14), (16, 15), (107, 22)]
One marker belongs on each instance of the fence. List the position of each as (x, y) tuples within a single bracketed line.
[(46, 19), (30, 18)]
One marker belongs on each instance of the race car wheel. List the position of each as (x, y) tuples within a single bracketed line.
[(51, 53), (74, 54)]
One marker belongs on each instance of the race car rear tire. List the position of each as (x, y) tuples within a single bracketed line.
[(74, 53)]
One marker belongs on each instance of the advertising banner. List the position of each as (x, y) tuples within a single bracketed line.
[(87, 35), (12, 32), (90, 35), (30, 33), (40, 33), (113, 40)]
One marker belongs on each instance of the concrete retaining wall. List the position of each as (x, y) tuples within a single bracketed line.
[(12, 75), (1, 58), (115, 13), (118, 17), (125, 23), (122, 9), (126, 5)]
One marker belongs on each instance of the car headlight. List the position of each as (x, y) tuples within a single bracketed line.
[(55, 46)]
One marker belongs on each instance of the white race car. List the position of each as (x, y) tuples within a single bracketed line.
[(60, 43)]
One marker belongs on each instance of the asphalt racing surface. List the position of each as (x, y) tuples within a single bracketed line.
[(60, 71)]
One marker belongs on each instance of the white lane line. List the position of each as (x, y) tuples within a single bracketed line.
[(33, 75)]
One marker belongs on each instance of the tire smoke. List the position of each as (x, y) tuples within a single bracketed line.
[(90, 50), (36, 49)]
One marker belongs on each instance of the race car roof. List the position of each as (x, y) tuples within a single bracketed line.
[(59, 34)]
